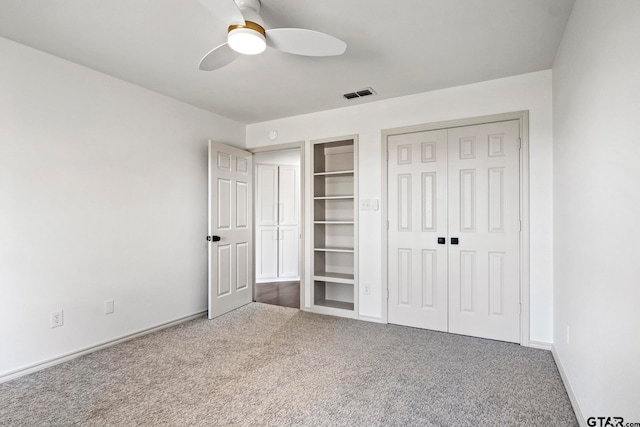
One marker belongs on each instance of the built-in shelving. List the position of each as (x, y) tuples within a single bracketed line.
[(335, 227)]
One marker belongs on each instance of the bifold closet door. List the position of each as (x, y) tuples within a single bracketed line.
[(288, 252), (267, 195), (454, 230), (277, 219), (288, 195), (267, 241), (484, 215), (417, 189)]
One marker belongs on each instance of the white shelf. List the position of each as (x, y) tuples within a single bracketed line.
[(346, 279), (343, 250), (335, 222), (342, 305), (334, 198), (334, 173)]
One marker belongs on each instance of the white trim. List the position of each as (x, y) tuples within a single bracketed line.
[(373, 319), (75, 354), (281, 147), (540, 345), (567, 385), (523, 118)]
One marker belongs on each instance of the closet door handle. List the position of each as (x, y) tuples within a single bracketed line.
[(213, 238), (442, 240), (454, 240)]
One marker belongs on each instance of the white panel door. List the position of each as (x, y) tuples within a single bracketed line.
[(230, 279), (266, 195), (267, 239), (288, 252), (417, 192), (484, 215), (288, 195)]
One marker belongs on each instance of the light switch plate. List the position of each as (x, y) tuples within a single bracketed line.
[(109, 307)]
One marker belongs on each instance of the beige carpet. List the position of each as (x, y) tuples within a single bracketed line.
[(268, 365)]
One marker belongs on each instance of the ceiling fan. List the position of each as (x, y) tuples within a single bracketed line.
[(246, 35)]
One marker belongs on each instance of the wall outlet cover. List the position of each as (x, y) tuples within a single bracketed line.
[(57, 319)]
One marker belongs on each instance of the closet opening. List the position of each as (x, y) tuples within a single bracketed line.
[(278, 225)]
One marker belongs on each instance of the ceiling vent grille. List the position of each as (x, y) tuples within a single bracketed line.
[(359, 93)]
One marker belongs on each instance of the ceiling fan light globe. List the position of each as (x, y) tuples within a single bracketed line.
[(246, 41)]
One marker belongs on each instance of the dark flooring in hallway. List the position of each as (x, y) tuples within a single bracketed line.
[(285, 294)]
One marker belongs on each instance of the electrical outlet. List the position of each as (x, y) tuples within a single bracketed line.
[(568, 335), (367, 289), (57, 319), (109, 307)]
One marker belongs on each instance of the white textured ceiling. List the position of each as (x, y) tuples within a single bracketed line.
[(397, 47)]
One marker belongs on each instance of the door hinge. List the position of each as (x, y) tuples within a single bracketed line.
[(387, 293), (520, 309), (387, 156), (387, 224), (519, 143)]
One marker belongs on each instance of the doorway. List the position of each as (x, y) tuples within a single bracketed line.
[(278, 226)]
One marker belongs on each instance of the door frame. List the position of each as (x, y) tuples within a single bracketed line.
[(523, 118), (301, 262)]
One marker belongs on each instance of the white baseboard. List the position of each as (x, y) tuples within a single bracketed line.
[(540, 345), (371, 319), (10, 375), (567, 385)]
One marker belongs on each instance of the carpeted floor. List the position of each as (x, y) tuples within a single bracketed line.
[(268, 365)]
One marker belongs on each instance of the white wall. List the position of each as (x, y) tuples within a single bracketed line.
[(526, 92), (596, 101), (103, 194), (290, 157)]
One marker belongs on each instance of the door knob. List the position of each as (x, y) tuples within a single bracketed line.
[(454, 240), (442, 240), (213, 238)]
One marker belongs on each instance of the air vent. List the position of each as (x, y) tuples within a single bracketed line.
[(359, 93)]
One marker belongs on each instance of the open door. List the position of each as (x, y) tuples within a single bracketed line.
[(230, 228)]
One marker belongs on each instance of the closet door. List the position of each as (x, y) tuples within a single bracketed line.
[(288, 252), (484, 215), (267, 253), (288, 195), (267, 195), (417, 187), (454, 230)]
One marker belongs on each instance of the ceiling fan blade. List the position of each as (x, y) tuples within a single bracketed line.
[(218, 58), (226, 10), (305, 42)]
